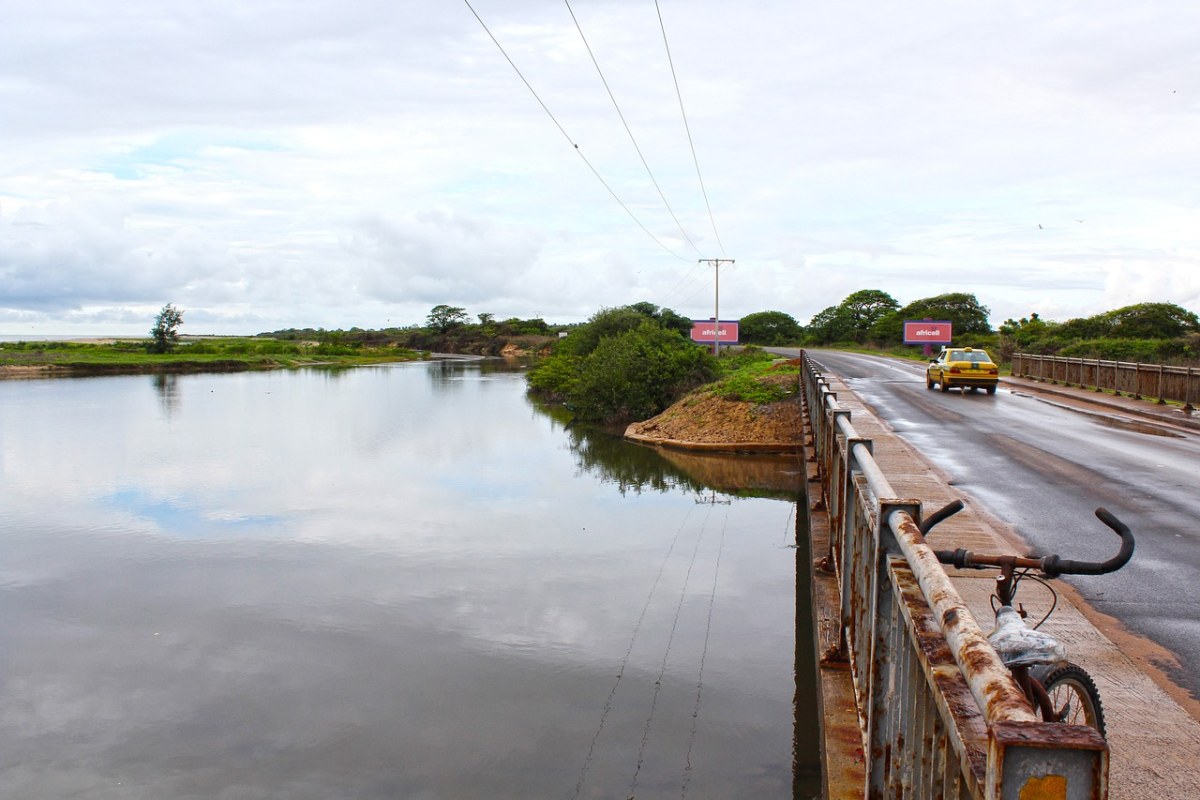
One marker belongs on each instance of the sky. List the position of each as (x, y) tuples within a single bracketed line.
[(265, 165)]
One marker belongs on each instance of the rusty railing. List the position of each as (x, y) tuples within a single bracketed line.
[(940, 714), (1153, 381)]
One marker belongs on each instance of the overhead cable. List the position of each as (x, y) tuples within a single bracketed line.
[(567, 136), (683, 282), (686, 127), (632, 139)]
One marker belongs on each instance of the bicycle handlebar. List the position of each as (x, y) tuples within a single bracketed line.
[(1058, 566), (1052, 566)]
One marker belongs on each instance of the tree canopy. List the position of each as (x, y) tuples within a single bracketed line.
[(165, 333), (769, 328), (443, 317), (961, 309), (624, 363)]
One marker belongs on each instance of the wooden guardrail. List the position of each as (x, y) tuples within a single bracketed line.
[(1157, 381), (940, 714)]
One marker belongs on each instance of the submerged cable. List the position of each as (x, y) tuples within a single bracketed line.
[(712, 599), (641, 756), (608, 704)]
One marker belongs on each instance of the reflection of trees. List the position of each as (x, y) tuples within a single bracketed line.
[(445, 371), (630, 466), (167, 387), (636, 467)]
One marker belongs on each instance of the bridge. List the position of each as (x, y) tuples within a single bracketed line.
[(915, 701)]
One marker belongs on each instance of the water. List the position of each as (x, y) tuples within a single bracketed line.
[(391, 582)]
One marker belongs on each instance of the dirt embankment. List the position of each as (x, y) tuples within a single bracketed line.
[(704, 421)]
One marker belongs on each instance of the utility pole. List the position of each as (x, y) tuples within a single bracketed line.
[(716, 262)]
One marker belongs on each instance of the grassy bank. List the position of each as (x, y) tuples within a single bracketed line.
[(198, 354)]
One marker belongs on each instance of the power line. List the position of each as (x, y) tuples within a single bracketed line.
[(687, 128), (632, 139), (567, 136), (688, 278)]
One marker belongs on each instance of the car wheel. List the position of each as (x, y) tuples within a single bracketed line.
[(973, 390), (929, 384), (944, 386), (991, 390)]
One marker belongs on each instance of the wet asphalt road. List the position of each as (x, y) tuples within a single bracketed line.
[(1044, 469)]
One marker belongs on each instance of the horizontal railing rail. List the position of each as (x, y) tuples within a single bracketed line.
[(1160, 382), (941, 715)]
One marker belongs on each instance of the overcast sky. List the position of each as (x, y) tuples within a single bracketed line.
[(265, 164)]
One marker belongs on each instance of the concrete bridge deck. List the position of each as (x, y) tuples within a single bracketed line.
[(1153, 727)]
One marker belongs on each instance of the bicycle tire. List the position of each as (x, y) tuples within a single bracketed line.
[(1074, 696)]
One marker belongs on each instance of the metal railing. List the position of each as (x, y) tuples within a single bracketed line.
[(1157, 381), (940, 714)]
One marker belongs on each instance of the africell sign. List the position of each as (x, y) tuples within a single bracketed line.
[(703, 330), (925, 331)]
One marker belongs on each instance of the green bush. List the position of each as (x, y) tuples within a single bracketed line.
[(555, 377), (638, 373)]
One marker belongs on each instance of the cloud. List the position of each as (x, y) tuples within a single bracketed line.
[(439, 255), (321, 165)]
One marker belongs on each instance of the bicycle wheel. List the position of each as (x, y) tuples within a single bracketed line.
[(1074, 697)]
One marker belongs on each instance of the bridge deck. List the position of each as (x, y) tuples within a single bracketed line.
[(1155, 742)]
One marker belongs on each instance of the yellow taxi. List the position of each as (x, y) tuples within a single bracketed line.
[(962, 367)]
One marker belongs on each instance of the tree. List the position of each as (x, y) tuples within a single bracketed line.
[(443, 317), (960, 308), (165, 333), (1152, 321), (769, 328), (638, 373), (830, 325), (664, 316), (866, 307), (604, 323)]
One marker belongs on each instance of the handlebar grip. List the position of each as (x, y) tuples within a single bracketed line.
[(942, 513), (1054, 565), (957, 558)]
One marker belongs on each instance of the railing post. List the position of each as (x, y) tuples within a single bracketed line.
[(1045, 759)]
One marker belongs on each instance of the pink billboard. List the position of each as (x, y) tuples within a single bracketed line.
[(926, 331), (703, 330)]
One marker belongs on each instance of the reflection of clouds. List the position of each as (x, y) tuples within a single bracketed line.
[(183, 517), (267, 444), (282, 661), (441, 586)]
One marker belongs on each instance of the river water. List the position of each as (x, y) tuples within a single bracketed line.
[(391, 582)]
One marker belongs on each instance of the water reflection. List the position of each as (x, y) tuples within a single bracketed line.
[(374, 586), (630, 468), (167, 386), (446, 373)]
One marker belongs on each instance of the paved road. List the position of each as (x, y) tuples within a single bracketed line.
[(1044, 467)]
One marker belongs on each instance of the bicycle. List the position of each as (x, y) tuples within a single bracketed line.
[(1060, 690)]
